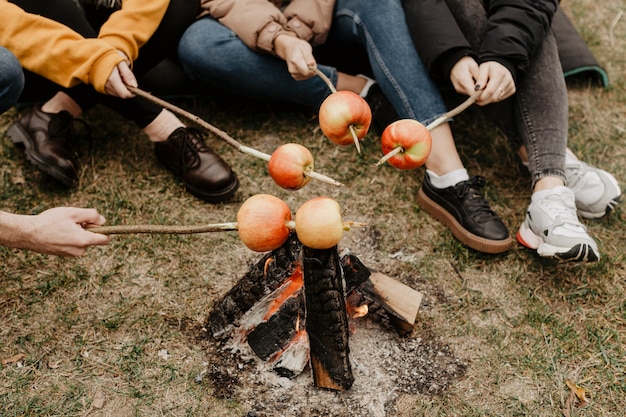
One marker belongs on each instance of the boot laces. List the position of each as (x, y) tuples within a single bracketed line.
[(189, 143)]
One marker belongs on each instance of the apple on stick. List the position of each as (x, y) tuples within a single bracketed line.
[(406, 144), (345, 117), (319, 224), (263, 222), (291, 167)]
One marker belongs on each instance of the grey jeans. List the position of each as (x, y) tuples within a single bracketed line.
[(537, 115)]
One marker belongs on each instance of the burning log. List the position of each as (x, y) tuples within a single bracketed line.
[(326, 319)]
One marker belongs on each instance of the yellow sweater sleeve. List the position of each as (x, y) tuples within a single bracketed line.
[(63, 56)]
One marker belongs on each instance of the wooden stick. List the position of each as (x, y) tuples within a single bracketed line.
[(188, 229), (458, 109), (220, 133), (161, 229)]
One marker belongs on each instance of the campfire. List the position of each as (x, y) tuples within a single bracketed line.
[(293, 308)]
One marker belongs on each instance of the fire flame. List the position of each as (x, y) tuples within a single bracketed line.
[(295, 283), (357, 311)]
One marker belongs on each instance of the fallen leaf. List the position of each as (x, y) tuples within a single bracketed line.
[(13, 359), (580, 393)]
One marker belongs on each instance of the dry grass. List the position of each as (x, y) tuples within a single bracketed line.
[(90, 329)]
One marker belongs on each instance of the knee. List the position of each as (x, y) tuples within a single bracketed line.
[(202, 41)]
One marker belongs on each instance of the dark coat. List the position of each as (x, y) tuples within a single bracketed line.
[(514, 31)]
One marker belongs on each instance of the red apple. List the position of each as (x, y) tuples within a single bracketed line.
[(412, 137), (319, 224), (289, 164), (262, 222), (340, 110)]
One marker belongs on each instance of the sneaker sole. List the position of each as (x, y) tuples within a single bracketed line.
[(583, 252), (19, 137), (466, 237)]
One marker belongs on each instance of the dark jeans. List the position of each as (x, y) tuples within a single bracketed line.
[(161, 45)]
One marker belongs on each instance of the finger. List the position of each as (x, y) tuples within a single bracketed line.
[(127, 75)]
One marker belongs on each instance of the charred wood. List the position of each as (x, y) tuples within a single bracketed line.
[(326, 319)]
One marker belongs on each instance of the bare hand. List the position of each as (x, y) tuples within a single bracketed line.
[(120, 77), (492, 77), (298, 54), (60, 231)]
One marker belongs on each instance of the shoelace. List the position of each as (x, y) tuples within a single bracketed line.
[(469, 193), (563, 210), (189, 143)]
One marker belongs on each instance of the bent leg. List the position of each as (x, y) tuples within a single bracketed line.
[(380, 26), (213, 54)]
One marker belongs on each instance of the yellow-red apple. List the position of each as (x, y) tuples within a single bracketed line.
[(289, 164), (319, 224), (414, 139), (340, 110), (262, 222)]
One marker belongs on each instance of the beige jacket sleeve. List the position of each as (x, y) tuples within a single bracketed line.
[(63, 56), (259, 22)]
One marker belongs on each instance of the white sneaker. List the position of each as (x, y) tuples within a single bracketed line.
[(597, 192), (553, 229)]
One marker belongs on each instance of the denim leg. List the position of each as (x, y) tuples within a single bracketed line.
[(380, 26), (11, 80), (537, 115), (212, 53), (542, 113)]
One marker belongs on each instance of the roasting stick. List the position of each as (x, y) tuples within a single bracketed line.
[(436, 123), (162, 229), (334, 90), (188, 229), (221, 134)]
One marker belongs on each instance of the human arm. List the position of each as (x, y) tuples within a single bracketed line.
[(56, 52), (57, 231), (514, 31)]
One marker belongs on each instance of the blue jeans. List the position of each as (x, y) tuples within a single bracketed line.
[(11, 80), (212, 53)]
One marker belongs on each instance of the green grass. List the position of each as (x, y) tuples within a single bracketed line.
[(91, 328)]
